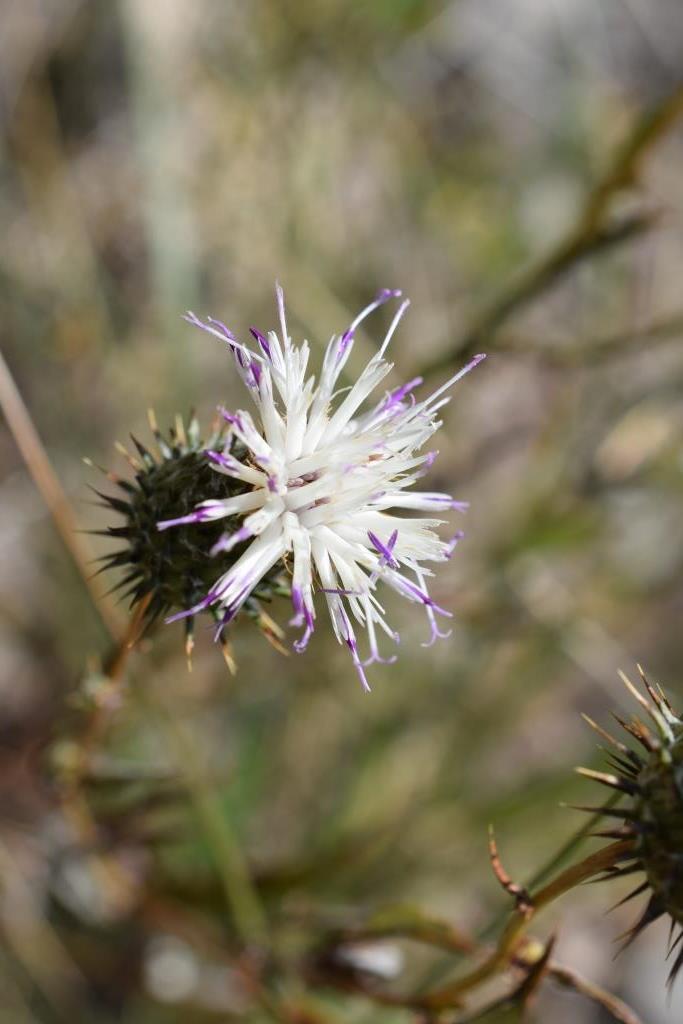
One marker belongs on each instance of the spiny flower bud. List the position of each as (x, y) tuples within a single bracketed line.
[(652, 781), (173, 569)]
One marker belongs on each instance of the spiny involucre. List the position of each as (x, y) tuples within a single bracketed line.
[(650, 838), (329, 481)]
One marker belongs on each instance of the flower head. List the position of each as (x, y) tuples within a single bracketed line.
[(327, 485)]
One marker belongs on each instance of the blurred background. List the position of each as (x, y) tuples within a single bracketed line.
[(515, 167)]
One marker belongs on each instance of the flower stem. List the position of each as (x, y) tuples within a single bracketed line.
[(443, 968), (450, 995), (240, 892), (46, 480)]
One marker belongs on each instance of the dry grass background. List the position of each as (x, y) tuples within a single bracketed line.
[(165, 156)]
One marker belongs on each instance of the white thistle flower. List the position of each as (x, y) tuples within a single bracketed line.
[(330, 485)]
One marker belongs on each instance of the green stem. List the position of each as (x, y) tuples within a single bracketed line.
[(440, 971), (240, 892), (451, 995), (572, 844)]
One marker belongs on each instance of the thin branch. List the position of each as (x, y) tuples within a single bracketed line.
[(38, 464), (451, 995), (570, 979), (108, 695), (589, 236), (508, 952), (595, 349), (408, 924), (574, 841)]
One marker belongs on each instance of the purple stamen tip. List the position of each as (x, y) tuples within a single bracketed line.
[(233, 418), (227, 462), (226, 330), (385, 550), (344, 342), (177, 616), (192, 517), (230, 540), (262, 340), (453, 543), (436, 635), (384, 294)]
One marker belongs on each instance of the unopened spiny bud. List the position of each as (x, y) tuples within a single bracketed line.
[(173, 569), (652, 780)]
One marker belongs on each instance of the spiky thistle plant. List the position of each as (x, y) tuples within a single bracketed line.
[(171, 570), (316, 483), (651, 780)]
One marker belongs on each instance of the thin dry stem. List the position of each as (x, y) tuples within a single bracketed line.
[(46, 480), (589, 235), (614, 1006), (108, 695)]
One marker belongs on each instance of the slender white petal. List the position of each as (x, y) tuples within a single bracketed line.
[(327, 477)]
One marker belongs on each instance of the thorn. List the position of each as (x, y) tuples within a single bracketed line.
[(536, 973), (125, 582), (110, 502), (659, 698), (626, 768), (632, 895), (626, 832), (656, 716), (164, 449), (144, 453), (271, 624), (666, 703), (273, 633), (520, 894), (646, 683), (226, 648), (678, 963), (633, 690), (130, 459), (611, 873), (605, 735), (609, 812), (672, 945), (639, 731), (115, 479), (652, 911), (152, 420), (613, 781), (180, 430), (189, 642)]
